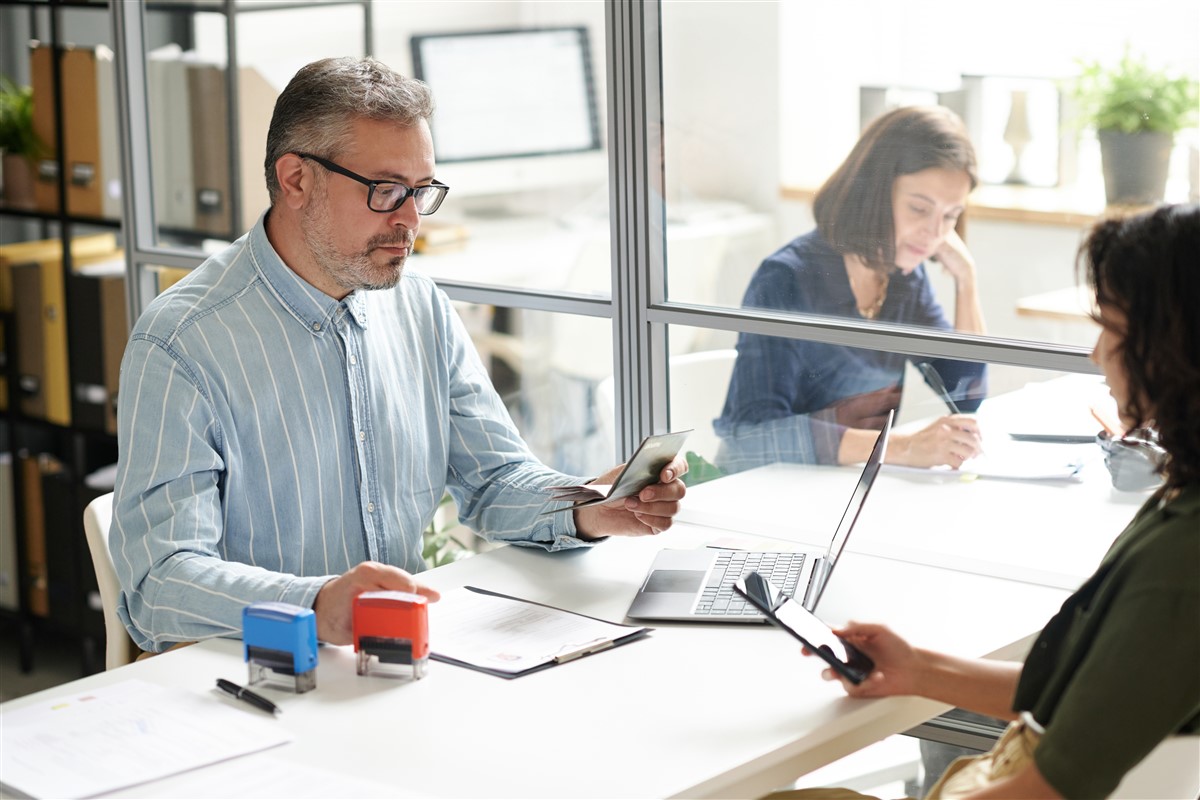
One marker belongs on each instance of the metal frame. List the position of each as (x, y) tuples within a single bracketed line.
[(639, 309), (128, 22)]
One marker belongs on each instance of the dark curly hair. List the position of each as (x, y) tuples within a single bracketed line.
[(1148, 267)]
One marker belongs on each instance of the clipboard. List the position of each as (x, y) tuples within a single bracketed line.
[(508, 637), (641, 470)]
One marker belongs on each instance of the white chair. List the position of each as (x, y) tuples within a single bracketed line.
[(698, 383), (119, 648), (1172, 770)]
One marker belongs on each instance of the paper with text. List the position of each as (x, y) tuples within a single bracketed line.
[(510, 635), (121, 735)]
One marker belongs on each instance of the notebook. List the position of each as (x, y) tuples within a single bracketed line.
[(697, 585)]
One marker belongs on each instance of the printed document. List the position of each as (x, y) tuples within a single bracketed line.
[(116, 736), (508, 636)]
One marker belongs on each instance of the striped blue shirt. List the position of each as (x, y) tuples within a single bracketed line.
[(272, 437)]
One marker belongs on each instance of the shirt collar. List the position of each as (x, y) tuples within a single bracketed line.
[(308, 304)]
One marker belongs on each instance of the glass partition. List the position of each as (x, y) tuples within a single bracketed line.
[(792, 107), (554, 372)]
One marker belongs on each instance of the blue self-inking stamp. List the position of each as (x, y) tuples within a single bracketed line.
[(281, 643)]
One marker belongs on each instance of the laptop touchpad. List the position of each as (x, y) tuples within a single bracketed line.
[(674, 580)]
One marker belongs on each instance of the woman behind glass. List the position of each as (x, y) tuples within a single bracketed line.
[(892, 205)]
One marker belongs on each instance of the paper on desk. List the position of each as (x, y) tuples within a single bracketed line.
[(122, 735), (511, 636), (1014, 461), (1028, 461)]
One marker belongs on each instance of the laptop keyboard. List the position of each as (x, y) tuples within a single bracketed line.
[(718, 599)]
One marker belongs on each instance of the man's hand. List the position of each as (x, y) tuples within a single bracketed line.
[(649, 513), (334, 606)]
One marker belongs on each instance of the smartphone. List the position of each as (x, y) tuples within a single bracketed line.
[(797, 620)]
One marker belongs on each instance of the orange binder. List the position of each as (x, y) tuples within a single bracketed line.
[(44, 383), (81, 132), (95, 244), (30, 349), (34, 533), (41, 79)]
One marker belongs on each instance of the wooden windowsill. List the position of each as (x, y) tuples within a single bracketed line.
[(1068, 207)]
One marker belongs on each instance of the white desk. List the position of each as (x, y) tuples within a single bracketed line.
[(1048, 533), (692, 710)]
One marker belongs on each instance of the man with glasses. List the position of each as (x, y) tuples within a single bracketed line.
[(292, 411)]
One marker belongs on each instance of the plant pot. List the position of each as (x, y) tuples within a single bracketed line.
[(1135, 166), (18, 182)]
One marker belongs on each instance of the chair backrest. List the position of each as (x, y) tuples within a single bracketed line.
[(1172, 770), (119, 648), (699, 382)]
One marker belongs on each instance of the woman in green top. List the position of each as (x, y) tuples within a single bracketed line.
[(1117, 670)]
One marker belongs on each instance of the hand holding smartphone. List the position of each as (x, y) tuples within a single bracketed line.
[(843, 657)]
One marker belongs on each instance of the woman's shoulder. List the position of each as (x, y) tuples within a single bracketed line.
[(807, 258), (807, 249), (1163, 546)]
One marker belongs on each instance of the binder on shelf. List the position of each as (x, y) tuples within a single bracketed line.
[(41, 80), (30, 347), (209, 111), (10, 583), (98, 327), (63, 534), (34, 530), (82, 247), (256, 103), (81, 131), (43, 373), (210, 148), (171, 138)]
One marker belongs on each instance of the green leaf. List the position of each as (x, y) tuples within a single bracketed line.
[(700, 470)]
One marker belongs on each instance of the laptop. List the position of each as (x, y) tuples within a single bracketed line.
[(697, 585)]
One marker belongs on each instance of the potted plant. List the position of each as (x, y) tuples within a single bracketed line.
[(18, 142), (1136, 111)]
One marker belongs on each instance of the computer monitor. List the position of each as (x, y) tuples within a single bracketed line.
[(516, 109)]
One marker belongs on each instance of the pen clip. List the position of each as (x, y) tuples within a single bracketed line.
[(594, 646)]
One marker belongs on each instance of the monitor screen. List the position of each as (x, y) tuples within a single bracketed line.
[(509, 93)]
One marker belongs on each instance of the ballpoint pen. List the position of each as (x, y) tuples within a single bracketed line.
[(256, 700), (935, 381)]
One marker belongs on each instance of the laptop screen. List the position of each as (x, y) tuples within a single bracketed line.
[(857, 500)]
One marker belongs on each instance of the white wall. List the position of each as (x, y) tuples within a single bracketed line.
[(828, 52)]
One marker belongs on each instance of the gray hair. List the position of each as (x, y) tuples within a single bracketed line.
[(317, 108)]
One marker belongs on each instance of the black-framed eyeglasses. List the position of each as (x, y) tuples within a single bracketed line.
[(385, 197)]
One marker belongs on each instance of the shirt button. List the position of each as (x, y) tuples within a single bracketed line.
[(353, 359), (362, 436), (371, 507), (316, 326)]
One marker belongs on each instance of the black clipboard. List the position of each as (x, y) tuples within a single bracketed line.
[(561, 657)]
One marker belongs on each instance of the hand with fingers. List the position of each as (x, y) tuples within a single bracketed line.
[(334, 605), (652, 511), (948, 440)]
